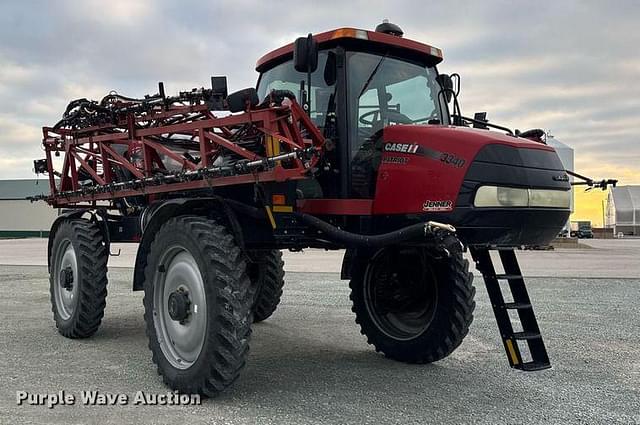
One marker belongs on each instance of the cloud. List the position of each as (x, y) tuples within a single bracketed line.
[(115, 13), (569, 66), (19, 133)]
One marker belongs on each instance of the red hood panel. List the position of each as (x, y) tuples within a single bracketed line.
[(423, 167), (471, 138)]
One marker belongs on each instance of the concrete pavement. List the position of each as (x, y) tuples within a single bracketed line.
[(310, 365), (600, 258)]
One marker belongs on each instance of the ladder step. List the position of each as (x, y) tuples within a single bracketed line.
[(534, 366), (508, 276), (517, 306), (526, 335)]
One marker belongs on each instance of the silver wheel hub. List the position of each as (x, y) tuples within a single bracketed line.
[(65, 288), (179, 307)]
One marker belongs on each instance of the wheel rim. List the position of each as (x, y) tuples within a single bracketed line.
[(400, 300), (180, 330), (65, 286)]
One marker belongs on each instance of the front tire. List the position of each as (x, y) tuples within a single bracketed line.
[(411, 306), (78, 278), (197, 305), (266, 271)]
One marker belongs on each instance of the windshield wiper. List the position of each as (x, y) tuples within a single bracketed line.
[(373, 73)]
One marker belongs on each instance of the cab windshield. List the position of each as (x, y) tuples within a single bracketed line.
[(384, 91), (380, 90)]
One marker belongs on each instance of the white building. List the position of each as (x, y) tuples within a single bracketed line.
[(623, 210), (20, 217)]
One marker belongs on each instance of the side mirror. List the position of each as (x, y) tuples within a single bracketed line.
[(219, 86), (479, 118), (305, 54), (447, 85), (218, 93)]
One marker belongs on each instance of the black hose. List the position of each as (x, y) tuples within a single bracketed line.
[(415, 232)]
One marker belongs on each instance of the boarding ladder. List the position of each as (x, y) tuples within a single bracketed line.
[(524, 346)]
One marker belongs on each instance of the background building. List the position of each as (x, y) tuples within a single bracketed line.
[(566, 157), (20, 217), (623, 210)]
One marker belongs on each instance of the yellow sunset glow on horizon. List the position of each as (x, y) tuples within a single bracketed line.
[(589, 204)]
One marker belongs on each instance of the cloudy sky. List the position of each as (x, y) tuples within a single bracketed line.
[(571, 67)]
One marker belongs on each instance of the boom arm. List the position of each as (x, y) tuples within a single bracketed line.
[(122, 147), (586, 181)]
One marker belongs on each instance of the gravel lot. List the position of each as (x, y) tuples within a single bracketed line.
[(309, 364)]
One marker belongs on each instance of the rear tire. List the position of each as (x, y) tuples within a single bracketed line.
[(266, 271), (413, 307), (78, 278), (197, 305)]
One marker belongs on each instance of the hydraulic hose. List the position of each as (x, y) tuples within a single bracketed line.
[(431, 231), (415, 232)]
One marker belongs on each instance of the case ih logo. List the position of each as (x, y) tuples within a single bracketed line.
[(401, 147), (437, 205), (416, 149)]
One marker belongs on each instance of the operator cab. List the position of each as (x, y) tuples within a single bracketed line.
[(364, 81)]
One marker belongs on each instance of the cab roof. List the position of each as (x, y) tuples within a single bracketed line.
[(368, 39)]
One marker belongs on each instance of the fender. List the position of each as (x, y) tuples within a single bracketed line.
[(69, 214), (347, 263), (159, 213)]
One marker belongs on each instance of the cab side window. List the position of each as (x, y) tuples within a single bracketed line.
[(285, 77)]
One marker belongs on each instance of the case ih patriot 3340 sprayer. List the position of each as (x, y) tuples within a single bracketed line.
[(347, 142)]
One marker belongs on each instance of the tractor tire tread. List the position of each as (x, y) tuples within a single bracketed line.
[(227, 342), (92, 255), (448, 333), (269, 285)]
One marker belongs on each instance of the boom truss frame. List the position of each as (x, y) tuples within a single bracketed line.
[(95, 158)]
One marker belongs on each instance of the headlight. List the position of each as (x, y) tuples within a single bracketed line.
[(549, 198), (495, 196), (498, 196)]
